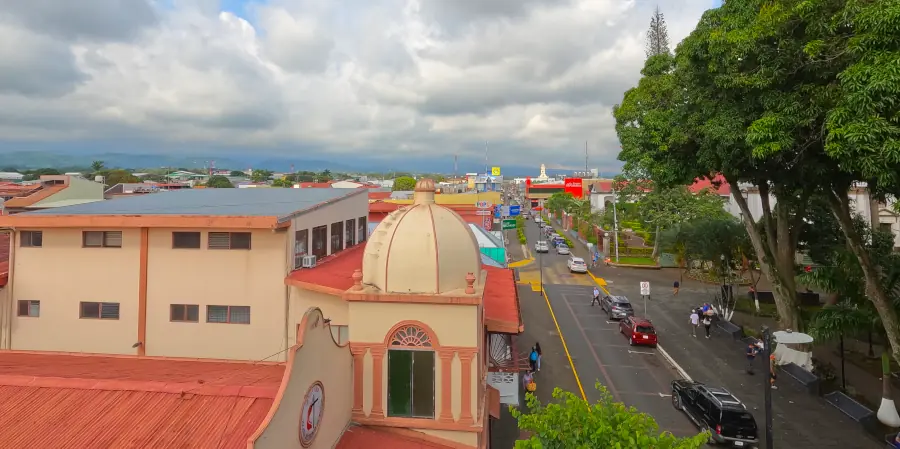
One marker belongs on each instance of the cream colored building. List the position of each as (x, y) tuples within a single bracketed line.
[(386, 343)]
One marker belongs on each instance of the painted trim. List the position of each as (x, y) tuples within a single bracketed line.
[(150, 357), (378, 386), (387, 260), (418, 423), (142, 293), (465, 361), (437, 257), (376, 296), (359, 355), (186, 388), (446, 357), (313, 287), (503, 326)]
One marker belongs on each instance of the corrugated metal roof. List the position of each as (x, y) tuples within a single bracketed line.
[(227, 202)]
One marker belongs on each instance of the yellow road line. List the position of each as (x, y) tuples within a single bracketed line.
[(565, 346), (520, 263)]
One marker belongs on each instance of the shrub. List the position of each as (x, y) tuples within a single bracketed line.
[(636, 251), (521, 234), (568, 242)]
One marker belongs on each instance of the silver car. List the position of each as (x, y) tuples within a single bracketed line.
[(562, 249), (541, 247), (576, 265)]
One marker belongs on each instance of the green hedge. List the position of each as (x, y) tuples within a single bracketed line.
[(632, 251), (568, 242)]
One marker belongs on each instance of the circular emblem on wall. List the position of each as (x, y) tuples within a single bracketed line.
[(311, 414)]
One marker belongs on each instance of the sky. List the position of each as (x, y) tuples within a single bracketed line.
[(531, 80)]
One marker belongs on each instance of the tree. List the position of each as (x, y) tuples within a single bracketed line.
[(219, 182), (325, 176), (573, 423), (282, 183), (114, 177), (404, 183), (664, 207), (237, 174), (657, 35), (97, 166), (260, 175)]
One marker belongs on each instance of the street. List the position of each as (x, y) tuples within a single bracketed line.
[(637, 376)]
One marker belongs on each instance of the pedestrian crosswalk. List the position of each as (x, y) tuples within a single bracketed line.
[(554, 274)]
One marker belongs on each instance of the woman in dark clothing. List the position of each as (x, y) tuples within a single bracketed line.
[(537, 347)]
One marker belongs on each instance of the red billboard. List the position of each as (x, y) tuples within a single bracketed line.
[(575, 187)]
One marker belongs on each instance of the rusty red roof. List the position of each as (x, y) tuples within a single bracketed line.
[(361, 437), (315, 185), (89, 401), (334, 272), (379, 195), (501, 301), (718, 185)]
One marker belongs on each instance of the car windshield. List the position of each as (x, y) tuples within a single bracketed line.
[(742, 420), (577, 261), (646, 330), (562, 246), (623, 305)]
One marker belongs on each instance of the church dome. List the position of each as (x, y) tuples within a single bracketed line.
[(423, 248)]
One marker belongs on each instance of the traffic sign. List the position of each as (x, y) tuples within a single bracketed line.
[(484, 212), (483, 204), (645, 289), (515, 210), (509, 224), (495, 171)]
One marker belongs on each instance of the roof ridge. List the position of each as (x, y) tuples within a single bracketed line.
[(192, 388)]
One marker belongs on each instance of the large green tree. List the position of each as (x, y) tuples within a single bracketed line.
[(219, 182), (571, 422), (662, 208), (404, 183)]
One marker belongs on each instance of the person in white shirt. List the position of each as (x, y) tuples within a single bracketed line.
[(695, 322), (596, 297)]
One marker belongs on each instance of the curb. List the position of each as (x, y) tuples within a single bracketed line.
[(681, 372)]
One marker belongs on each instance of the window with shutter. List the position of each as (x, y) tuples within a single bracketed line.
[(112, 239), (101, 239), (109, 311), (219, 240), (188, 313), (32, 239), (92, 239), (228, 314), (186, 240)]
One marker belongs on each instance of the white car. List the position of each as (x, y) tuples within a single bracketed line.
[(576, 265), (542, 247), (562, 249)]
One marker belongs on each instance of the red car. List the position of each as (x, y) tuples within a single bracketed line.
[(640, 331)]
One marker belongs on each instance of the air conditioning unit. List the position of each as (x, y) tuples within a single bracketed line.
[(309, 262)]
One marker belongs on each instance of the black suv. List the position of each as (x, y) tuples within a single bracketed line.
[(616, 307), (717, 411)]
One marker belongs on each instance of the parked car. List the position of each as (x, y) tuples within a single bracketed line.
[(640, 331), (542, 247), (562, 249), (616, 307), (576, 265), (717, 411)]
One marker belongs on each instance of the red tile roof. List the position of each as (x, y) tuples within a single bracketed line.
[(90, 401), (383, 207), (501, 301), (334, 272), (360, 437), (718, 185), (379, 195), (315, 185)]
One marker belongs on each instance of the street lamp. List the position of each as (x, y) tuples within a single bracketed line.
[(722, 258), (767, 352)]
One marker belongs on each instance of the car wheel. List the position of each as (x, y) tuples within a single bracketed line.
[(609, 317), (676, 401), (631, 341)]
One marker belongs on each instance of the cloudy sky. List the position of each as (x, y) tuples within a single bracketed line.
[(326, 78)]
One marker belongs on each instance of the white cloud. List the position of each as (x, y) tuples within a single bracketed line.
[(535, 78)]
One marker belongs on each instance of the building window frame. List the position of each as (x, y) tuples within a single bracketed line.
[(230, 315), (337, 237), (407, 395), (244, 240), (182, 313), (31, 239), (187, 239), (301, 246), (112, 311), (349, 232), (340, 333), (31, 308), (362, 229), (101, 239)]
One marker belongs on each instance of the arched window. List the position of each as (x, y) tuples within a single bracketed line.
[(411, 373)]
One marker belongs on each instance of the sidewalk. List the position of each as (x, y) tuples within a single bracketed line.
[(800, 419)]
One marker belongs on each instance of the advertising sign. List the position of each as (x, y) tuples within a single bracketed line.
[(515, 210), (483, 204), (509, 224), (574, 186), (484, 212), (495, 171)]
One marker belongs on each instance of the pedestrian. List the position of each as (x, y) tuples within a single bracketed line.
[(772, 374), (695, 322), (537, 347), (528, 382), (675, 288), (533, 358), (596, 297), (707, 322), (896, 442), (752, 350)]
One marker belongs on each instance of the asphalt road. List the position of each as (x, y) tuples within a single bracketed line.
[(637, 376)]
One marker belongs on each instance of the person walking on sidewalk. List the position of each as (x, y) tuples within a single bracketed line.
[(537, 348), (695, 322), (752, 350), (596, 297), (675, 288), (707, 322), (533, 359), (772, 374)]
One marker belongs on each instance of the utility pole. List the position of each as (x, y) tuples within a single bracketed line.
[(486, 172), (767, 351), (585, 157)]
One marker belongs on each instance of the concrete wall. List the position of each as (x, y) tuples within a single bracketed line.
[(78, 189), (352, 208)]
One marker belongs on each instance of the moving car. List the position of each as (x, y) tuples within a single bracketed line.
[(717, 411), (542, 247), (576, 265), (640, 331), (616, 307), (562, 249)]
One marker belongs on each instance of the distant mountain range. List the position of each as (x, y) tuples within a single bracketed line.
[(79, 159)]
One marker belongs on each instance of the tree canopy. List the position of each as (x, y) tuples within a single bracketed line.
[(404, 183), (571, 422), (657, 35), (219, 182)]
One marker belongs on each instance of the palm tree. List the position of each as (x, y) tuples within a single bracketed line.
[(835, 321), (96, 166)]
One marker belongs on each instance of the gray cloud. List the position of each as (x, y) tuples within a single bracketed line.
[(402, 79)]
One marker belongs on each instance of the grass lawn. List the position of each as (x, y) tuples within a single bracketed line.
[(630, 260)]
